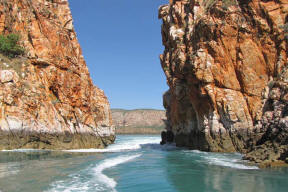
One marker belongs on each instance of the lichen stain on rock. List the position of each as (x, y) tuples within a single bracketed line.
[(49, 93), (222, 63)]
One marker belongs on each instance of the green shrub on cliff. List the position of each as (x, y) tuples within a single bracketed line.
[(9, 45)]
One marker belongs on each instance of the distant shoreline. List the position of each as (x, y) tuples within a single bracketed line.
[(138, 134), (139, 121), (119, 109), (139, 131)]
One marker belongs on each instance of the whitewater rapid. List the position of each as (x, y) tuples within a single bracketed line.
[(127, 151), (133, 163), (110, 182), (132, 144), (135, 144), (231, 160), (96, 178)]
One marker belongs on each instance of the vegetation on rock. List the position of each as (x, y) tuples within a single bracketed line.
[(9, 45), (44, 99)]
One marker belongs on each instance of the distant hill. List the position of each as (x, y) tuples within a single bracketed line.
[(138, 121)]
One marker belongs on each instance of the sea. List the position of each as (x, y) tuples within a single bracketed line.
[(135, 163)]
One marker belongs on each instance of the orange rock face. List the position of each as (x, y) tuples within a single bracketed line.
[(220, 59), (47, 99)]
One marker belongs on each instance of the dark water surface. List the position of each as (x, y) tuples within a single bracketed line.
[(134, 164)]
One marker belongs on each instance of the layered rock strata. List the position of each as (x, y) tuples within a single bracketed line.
[(47, 99), (226, 67)]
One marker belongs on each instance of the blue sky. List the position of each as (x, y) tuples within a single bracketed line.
[(121, 43)]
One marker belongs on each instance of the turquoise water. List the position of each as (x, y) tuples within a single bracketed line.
[(134, 164)]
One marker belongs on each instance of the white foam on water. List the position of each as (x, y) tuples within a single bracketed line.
[(226, 162), (128, 145), (197, 151), (232, 160), (108, 163), (92, 179), (9, 169), (74, 185)]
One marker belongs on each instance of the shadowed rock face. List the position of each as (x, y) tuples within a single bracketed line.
[(47, 99), (226, 66)]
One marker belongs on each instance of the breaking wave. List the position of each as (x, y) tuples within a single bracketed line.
[(231, 160), (92, 179), (128, 145), (110, 182)]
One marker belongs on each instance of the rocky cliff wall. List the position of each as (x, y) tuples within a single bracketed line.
[(47, 99), (226, 66)]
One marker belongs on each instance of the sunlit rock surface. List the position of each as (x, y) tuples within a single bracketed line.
[(226, 66), (47, 98)]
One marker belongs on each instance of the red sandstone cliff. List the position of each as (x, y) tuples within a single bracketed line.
[(226, 66), (47, 99)]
